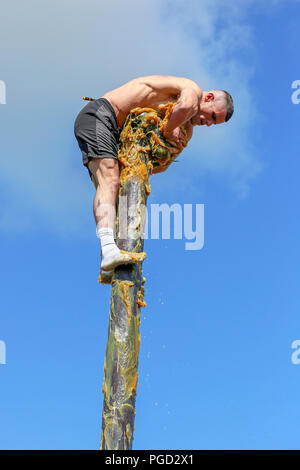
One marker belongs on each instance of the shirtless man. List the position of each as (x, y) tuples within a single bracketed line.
[(97, 130)]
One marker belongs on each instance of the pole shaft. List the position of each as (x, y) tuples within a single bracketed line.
[(142, 147), (122, 351)]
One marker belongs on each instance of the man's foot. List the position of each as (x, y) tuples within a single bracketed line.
[(123, 257)]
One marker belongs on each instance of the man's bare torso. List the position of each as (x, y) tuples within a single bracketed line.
[(148, 91)]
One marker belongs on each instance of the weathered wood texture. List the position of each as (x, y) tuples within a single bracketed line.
[(142, 147)]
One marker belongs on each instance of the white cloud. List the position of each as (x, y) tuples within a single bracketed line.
[(54, 52)]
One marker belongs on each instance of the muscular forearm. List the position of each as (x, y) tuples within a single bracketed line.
[(178, 117)]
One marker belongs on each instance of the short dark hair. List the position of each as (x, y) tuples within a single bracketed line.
[(230, 106)]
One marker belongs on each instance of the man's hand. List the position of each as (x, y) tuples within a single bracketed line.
[(175, 138)]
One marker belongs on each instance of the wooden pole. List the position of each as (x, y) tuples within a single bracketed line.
[(142, 147)]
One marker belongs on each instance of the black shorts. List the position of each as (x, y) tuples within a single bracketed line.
[(96, 131)]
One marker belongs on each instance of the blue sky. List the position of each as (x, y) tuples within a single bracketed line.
[(215, 369)]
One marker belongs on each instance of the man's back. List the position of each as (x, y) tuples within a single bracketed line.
[(149, 91)]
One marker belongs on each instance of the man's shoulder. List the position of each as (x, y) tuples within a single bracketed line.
[(168, 81), (189, 83), (184, 82)]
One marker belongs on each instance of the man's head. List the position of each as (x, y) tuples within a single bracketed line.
[(216, 106)]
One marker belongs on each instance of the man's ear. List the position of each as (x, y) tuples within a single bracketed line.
[(210, 96)]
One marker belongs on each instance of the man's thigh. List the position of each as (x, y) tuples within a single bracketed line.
[(103, 168)]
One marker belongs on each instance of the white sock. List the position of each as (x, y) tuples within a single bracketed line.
[(108, 245)]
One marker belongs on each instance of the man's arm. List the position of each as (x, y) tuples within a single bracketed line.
[(184, 110), (185, 90), (189, 95)]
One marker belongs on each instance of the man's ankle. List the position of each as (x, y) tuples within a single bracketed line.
[(108, 245)]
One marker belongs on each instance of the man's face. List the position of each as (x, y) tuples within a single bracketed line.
[(212, 110)]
